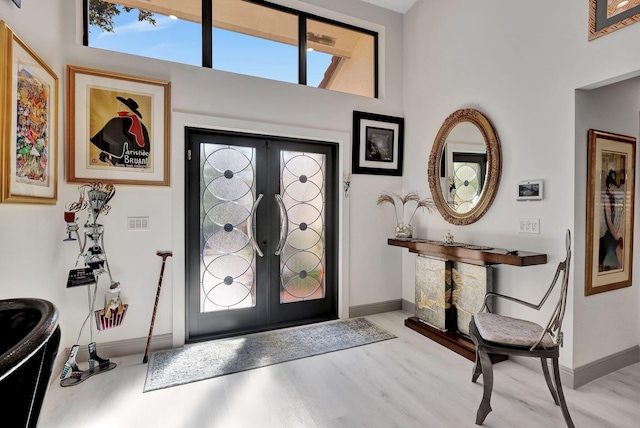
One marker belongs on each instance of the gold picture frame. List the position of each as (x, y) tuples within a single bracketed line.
[(607, 16), (28, 124), (117, 128), (610, 201)]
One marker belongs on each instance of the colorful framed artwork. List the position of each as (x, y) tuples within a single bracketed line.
[(377, 144), (607, 16), (610, 200), (28, 124), (118, 128)]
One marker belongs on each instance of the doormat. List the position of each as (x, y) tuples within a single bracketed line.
[(206, 360)]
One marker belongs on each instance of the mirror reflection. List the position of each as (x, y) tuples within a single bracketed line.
[(465, 167)]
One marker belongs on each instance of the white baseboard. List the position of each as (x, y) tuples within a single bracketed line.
[(375, 308)]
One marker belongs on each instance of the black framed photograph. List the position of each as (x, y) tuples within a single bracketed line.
[(377, 144), (530, 190), (607, 16)]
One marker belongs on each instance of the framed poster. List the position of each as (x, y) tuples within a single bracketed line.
[(610, 199), (377, 144), (28, 124), (607, 16), (118, 128)]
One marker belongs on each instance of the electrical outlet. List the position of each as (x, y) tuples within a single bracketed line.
[(138, 223), (529, 225)]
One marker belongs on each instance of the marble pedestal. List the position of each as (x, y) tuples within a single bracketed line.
[(449, 293)]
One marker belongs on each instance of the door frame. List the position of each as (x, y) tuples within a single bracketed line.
[(268, 312), (181, 120)]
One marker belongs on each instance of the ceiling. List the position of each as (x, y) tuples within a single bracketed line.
[(398, 5)]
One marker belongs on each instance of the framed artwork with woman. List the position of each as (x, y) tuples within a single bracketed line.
[(610, 200)]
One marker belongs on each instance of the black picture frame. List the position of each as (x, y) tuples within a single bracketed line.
[(18, 3), (378, 143), (530, 190), (600, 23)]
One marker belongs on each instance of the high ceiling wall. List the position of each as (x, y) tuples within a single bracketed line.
[(34, 261)]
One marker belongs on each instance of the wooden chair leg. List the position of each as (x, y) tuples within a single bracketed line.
[(477, 369), (487, 377), (547, 376), (563, 403)]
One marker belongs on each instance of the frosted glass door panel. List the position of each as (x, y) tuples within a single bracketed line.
[(302, 262), (227, 193)]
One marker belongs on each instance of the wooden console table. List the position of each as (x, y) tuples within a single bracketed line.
[(464, 253), (472, 254)]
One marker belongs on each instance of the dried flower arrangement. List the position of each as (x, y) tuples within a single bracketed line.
[(404, 229)]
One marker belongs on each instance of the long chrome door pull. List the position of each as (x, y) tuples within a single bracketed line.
[(284, 225), (250, 221)]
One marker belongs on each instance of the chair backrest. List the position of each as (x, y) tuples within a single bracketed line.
[(554, 326)]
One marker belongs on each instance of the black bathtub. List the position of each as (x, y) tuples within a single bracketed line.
[(29, 340)]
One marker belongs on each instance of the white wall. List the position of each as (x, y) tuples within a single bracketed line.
[(519, 63), (33, 259)]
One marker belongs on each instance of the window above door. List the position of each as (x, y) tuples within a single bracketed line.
[(251, 37)]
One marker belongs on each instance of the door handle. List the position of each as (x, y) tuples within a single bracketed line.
[(250, 221), (284, 225)]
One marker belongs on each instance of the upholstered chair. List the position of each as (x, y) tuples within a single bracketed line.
[(502, 335)]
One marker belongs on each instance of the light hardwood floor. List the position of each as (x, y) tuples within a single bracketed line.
[(410, 381)]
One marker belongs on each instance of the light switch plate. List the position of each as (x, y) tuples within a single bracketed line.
[(138, 223), (529, 225)]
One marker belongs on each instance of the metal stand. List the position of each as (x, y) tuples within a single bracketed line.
[(91, 246)]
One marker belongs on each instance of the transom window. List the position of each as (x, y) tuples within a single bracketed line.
[(251, 37)]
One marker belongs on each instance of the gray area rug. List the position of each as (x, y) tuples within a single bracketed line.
[(225, 356)]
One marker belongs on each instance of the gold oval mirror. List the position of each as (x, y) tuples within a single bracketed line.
[(465, 167)]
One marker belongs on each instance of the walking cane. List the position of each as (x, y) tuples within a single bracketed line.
[(164, 255)]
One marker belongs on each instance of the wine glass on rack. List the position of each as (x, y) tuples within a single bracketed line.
[(72, 226)]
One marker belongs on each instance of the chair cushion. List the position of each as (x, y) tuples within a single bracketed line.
[(510, 331)]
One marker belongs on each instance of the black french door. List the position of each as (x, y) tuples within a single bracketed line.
[(261, 228)]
